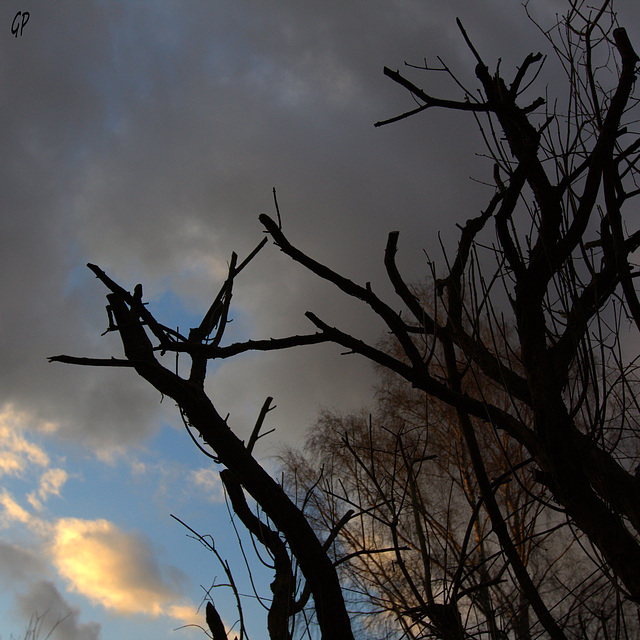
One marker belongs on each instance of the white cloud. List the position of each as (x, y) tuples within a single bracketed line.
[(138, 468), (208, 480), (51, 482)]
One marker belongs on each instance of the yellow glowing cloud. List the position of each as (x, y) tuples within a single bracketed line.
[(111, 567), (185, 614), (15, 450), (13, 512)]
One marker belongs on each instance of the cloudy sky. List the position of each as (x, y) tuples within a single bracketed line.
[(146, 137)]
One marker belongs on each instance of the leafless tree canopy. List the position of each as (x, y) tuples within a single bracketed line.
[(515, 343)]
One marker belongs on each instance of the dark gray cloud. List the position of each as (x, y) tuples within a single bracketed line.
[(47, 609), (146, 137), (18, 564)]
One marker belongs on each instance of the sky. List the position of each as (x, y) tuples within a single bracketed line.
[(146, 137)]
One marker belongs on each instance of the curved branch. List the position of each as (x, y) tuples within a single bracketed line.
[(391, 318)]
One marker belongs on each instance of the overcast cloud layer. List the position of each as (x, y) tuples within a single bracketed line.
[(146, 137)]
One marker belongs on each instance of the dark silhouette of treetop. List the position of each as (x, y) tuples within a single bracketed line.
[(491, 491)]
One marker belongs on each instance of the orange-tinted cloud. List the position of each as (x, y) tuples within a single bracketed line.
[(113, 568)]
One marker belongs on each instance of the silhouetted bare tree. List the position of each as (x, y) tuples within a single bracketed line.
[(533, 303), (419, 540)]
